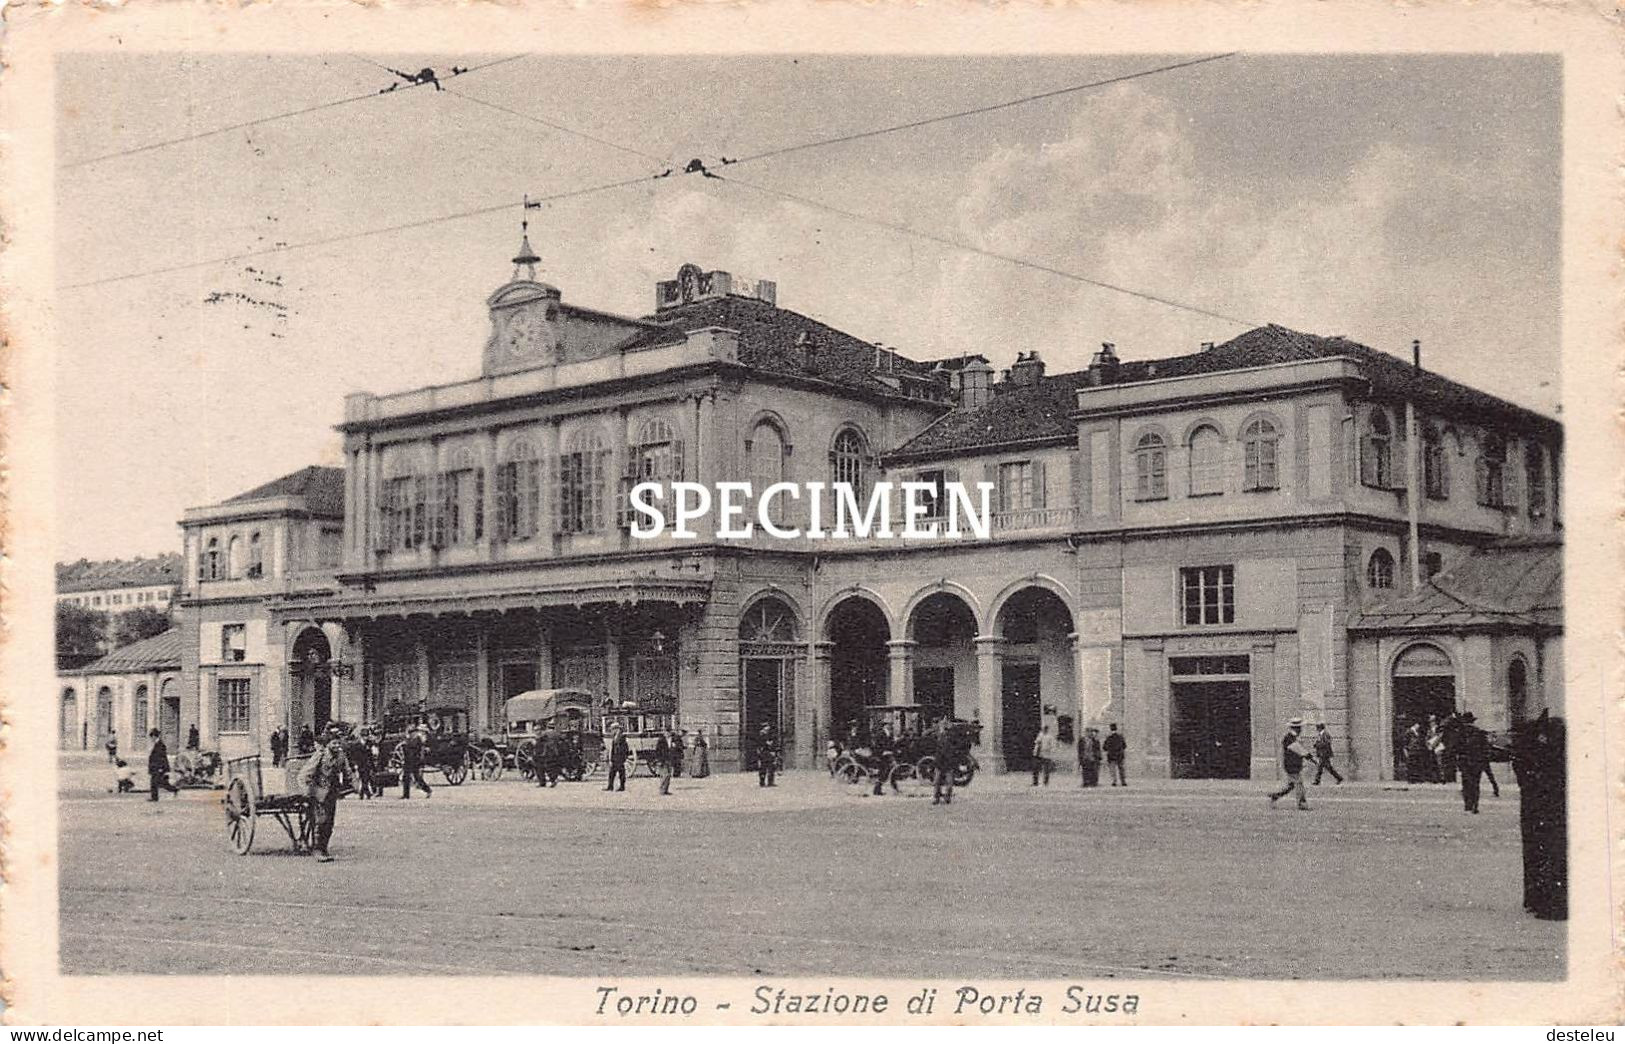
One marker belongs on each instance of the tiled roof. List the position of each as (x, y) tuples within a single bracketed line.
[(322, 488), (85, 575), (158, 653), (1020, 413), (1042, 410), (1516, 582), (778, 340)]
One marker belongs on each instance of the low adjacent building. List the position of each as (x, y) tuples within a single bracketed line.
[(128, 692)]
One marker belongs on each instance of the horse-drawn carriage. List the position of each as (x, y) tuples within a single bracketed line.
[(526, 719), (642, 724), (448, 749), (914, 747)]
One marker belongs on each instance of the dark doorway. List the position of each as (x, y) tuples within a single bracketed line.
[(934, 692), (1209, 732), (1021, 714), (858, 664), (516, 678), (169, 721), (1415, 700), (321, 700), (764, 691)]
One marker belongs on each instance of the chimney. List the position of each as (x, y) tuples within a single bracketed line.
[(1207, 346), (975, 384), (1103, 368), (1028, 369)]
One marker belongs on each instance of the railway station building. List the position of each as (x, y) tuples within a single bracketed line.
[(1195, 547)]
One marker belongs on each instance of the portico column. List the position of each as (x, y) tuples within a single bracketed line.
[(900, 651), (818, 661), (990, 699), (422, 650), (482, 677)]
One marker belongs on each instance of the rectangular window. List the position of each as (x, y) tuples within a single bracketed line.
[(1435, 471), (233, 707), (580, 492), (1016, 488), (935, 500), (233, 643), (1207, 595), (1261, 469)]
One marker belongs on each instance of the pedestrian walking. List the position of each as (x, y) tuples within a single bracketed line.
[(549, 754), (1472, 756), (1116, 747), (1323, 754), (885, 755), (411, 763), (947, 759), (619, 751), (702, 757), (679, 747), (1292, 758), (359, 756), (112, 748), (192, 739), (1441, 751), (158, 766), (1043, 755), (320, 778), (767, 757), (277, 746), (1089, 754), (663, 759)]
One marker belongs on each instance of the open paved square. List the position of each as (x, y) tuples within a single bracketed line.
[(1163, 880)]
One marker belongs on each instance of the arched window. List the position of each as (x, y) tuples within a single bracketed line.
[(1260, 469), (1518, 690), (1534, 467), (768, 621), (211, 560), (1379, 572), (234, 558), (256, 556), (463, 488), (849, 462), (1150, 467), (141, 719), (658, 455), (1207, 461), (518, 490), (1435, 465), (580, 492), (1492, 462), (104, 714), (766, 451), (1377, 456)]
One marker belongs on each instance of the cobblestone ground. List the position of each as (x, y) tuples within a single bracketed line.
[(1163, 880)]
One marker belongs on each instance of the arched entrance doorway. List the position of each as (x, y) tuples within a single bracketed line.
[(1037, 669), (70, 719), (104, 715), (858, 633), (1518, 690), (943, 629), (767, 674), (311, 691), (169, 714), (1424, 681)]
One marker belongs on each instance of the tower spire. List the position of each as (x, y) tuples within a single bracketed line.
[(526, 258)]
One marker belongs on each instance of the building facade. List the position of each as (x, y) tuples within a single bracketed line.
[(1186, 546), (126, 693)]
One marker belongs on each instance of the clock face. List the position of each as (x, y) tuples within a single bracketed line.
[(519, 334)]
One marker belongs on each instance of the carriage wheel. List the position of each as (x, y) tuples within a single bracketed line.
[(455, 773), (239, 817), (964, 772), (491, 765), (397, 759), (926, 769), (591, 768), (850, 772)]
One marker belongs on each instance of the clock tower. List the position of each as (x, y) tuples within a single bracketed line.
[(525, 317)]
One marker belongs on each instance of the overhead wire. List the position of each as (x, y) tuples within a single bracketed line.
[(531, 202), (214, 132), (959, 244), (1011, 103)]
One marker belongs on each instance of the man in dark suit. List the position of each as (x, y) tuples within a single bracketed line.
[(158, 766), (321, 778), (663, 757), (412, 764), (947, 759), (619, 752), (549, 751), (767, 757), (1116, 747), (1472, 757)]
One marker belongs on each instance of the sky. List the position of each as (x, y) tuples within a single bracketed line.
[(1384, 198)]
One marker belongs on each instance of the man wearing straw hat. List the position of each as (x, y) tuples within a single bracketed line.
[(321, 778), (1292, 758)]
